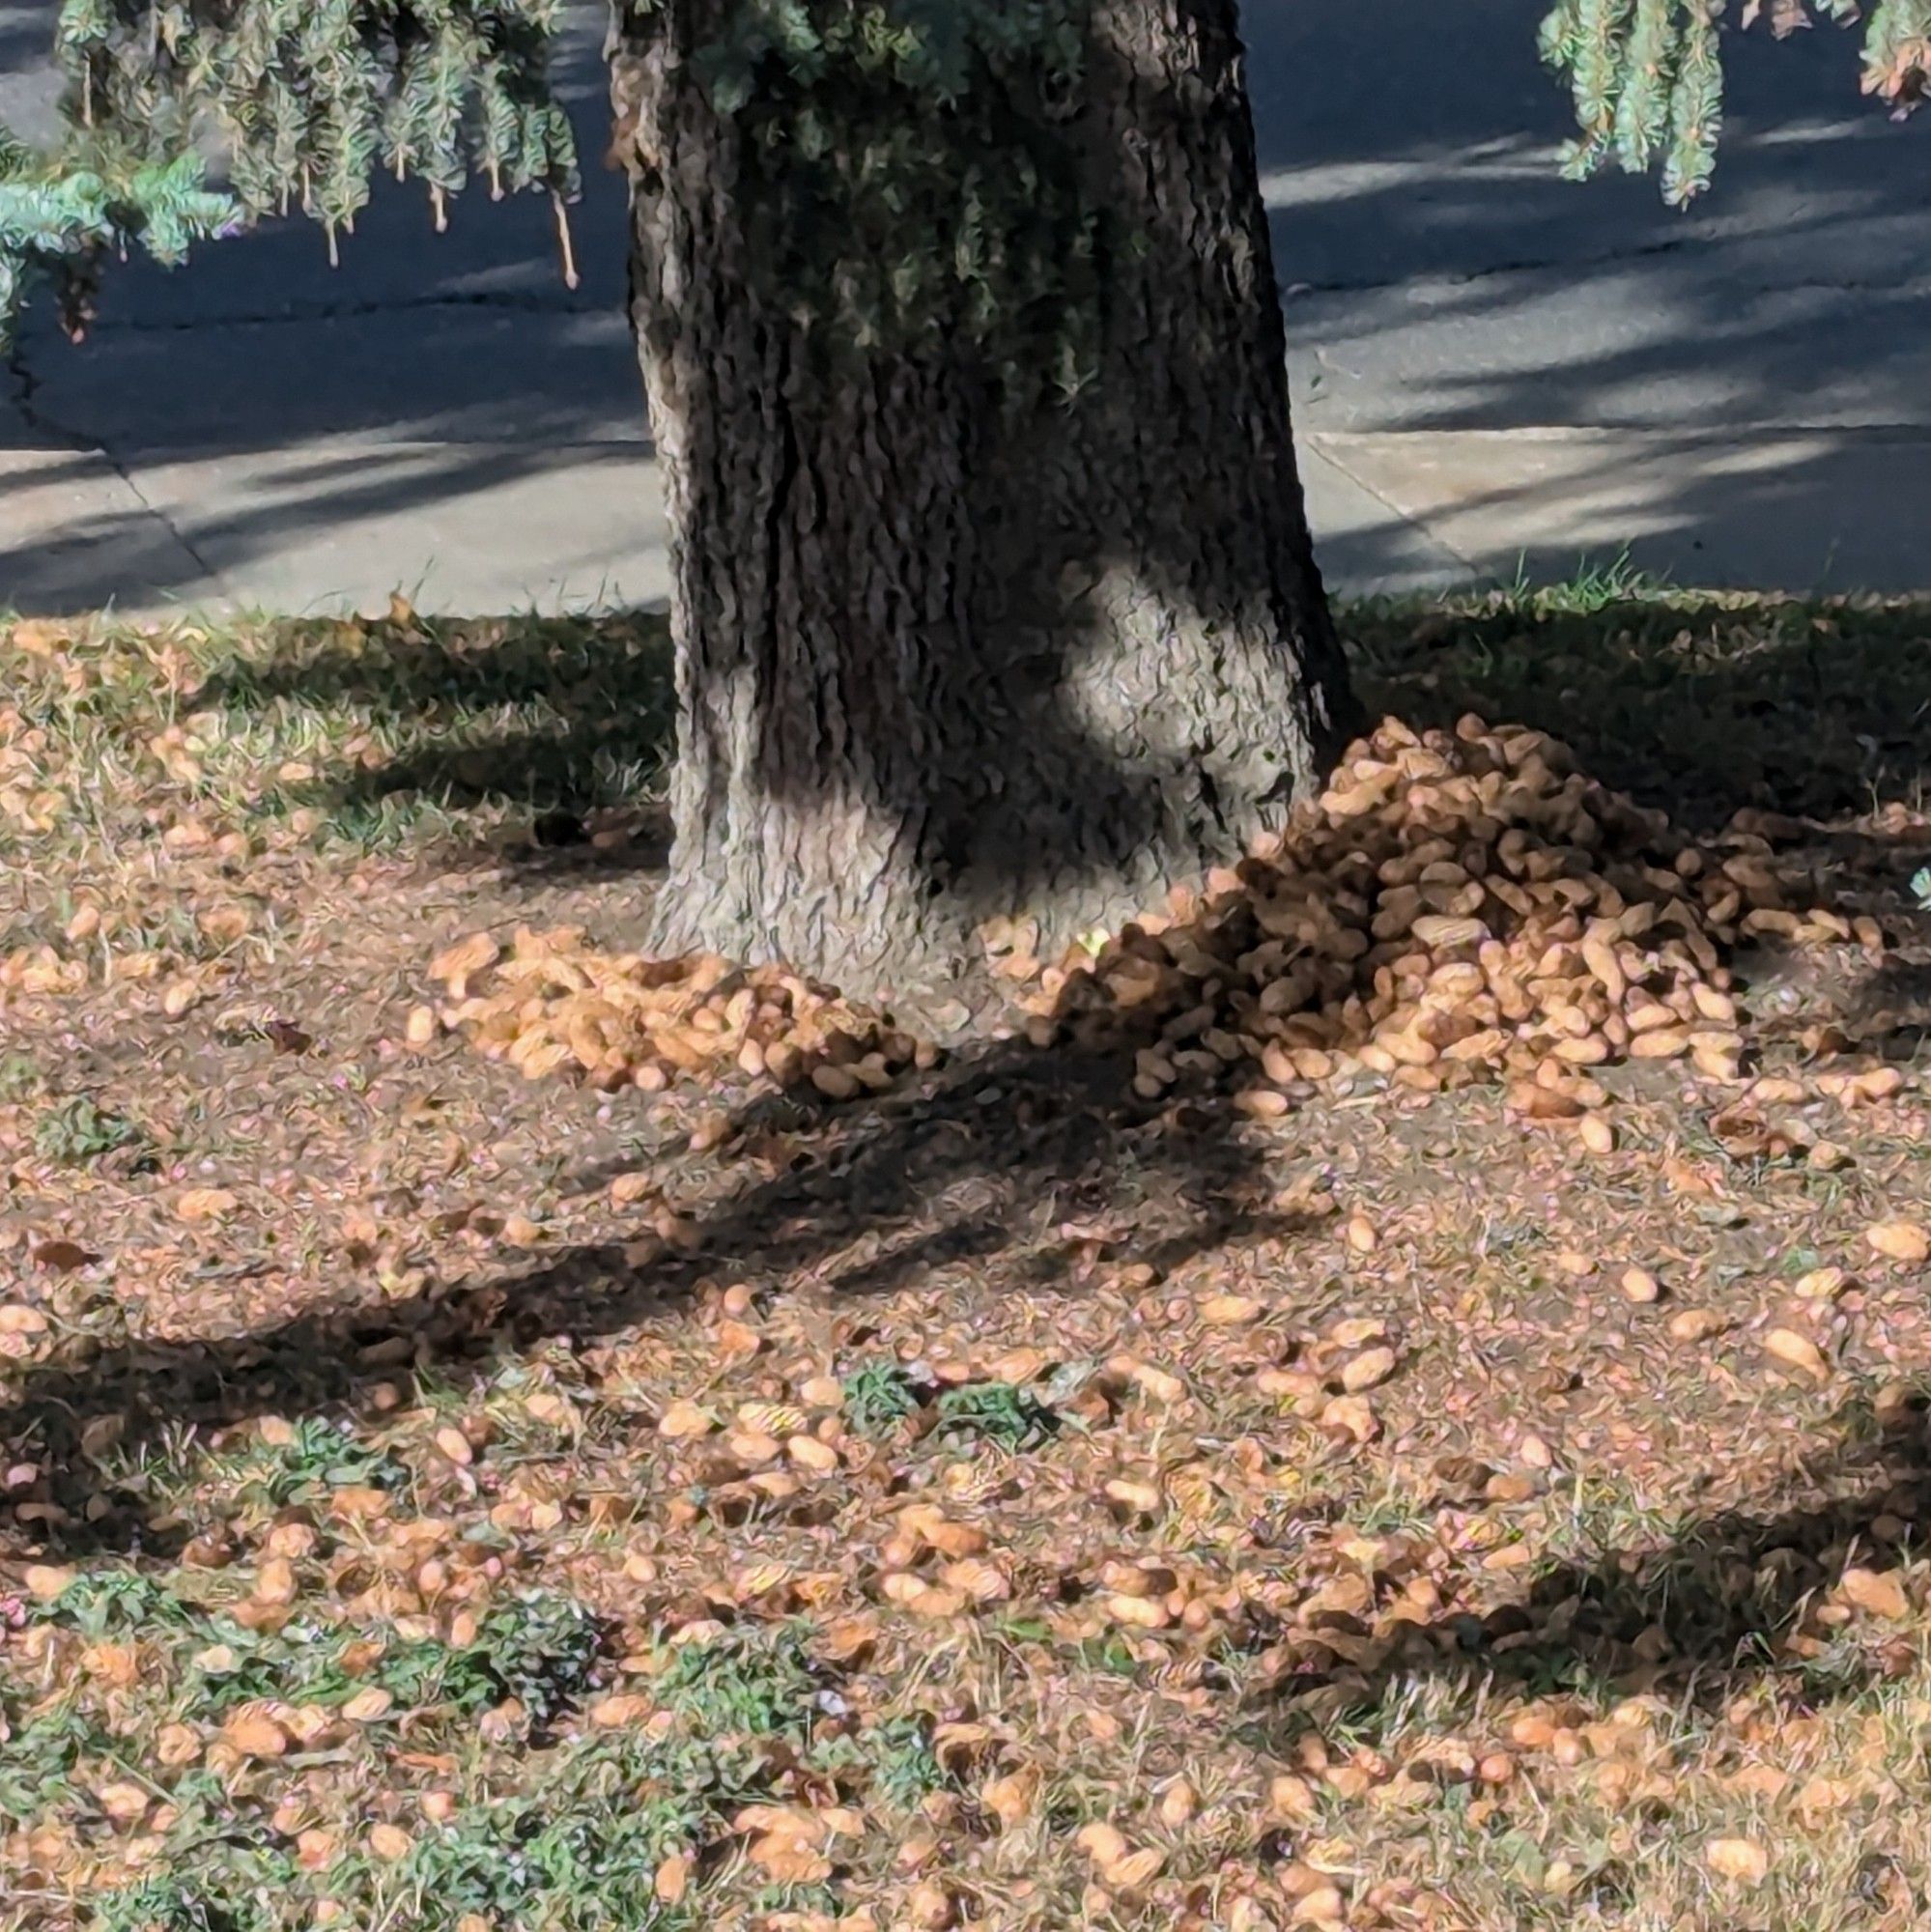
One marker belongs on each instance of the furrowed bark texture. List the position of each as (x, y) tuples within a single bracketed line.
[(940, 660)]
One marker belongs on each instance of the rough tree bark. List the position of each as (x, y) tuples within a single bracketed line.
[(940, 658)]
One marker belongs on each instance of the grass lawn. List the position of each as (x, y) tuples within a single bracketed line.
[(436, 1498)]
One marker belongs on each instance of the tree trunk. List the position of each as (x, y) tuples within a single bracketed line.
[(953, 642)]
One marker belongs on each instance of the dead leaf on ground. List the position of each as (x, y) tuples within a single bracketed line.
[(1905, 1241), (1881, 1593), (1797, 1351), (64, 1255), (207, 1203), (1741, 1859)]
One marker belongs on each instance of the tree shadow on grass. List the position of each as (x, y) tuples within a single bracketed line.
[(1731, 1598), (1044, 1159), (1046, 1165), (547, 714), (1048, 1162), (1035, 1162), (1698, 704), (1691, 703), (1726, 1602), (1039, 1162)]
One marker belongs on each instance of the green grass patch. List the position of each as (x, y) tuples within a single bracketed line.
[(540, 1648), (580, 1853), (104, 1603), (878, 1396), (79, 1130), (316, 1456), (1010, 1417), (39, 1756), (377, 734), (757, 1681), (574, 1847), (374, 734), (1696, 701)]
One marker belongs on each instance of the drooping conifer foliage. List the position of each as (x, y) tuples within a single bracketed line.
[(1647, 75), (305, 103), (308, 101), (59, 211)]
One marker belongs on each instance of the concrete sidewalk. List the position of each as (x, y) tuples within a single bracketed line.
[(1493, 370), (490, 527)]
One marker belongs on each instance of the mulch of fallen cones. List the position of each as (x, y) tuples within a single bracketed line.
[(1456, 907)]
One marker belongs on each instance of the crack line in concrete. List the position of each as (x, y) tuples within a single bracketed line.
[(25, 383), (350, 311), (1419, 524), (1670, 246)]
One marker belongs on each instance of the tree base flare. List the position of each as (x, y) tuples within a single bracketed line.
[(930, 935)]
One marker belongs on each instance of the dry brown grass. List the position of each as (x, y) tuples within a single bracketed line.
[(434, 1497)]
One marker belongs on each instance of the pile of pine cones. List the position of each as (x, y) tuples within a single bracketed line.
[(621, 1020), (1456, 907)]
